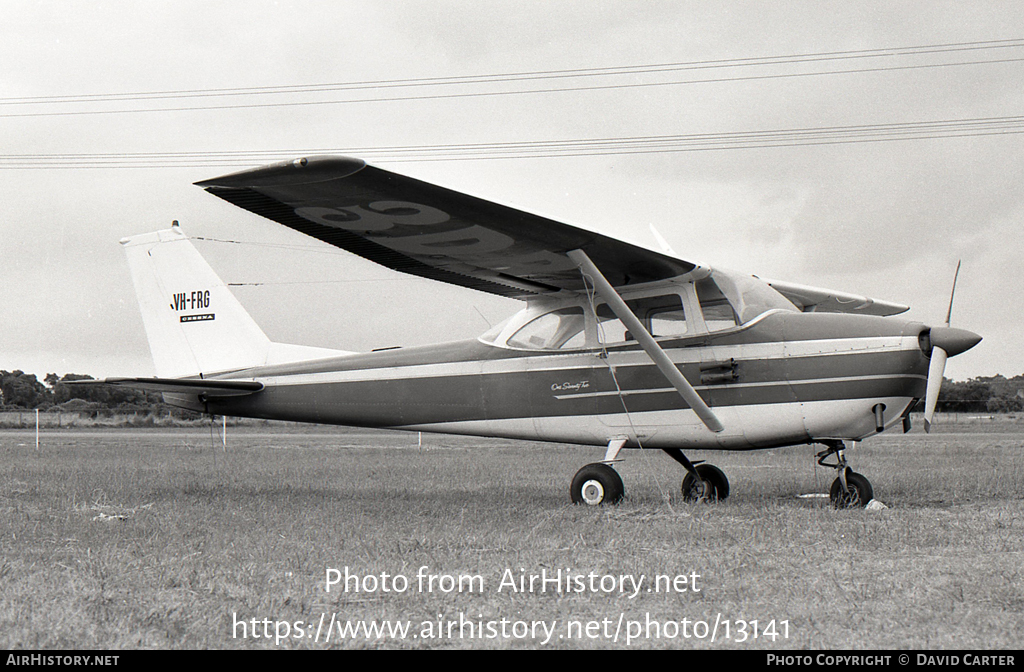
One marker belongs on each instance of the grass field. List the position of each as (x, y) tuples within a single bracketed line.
[(161, 539)]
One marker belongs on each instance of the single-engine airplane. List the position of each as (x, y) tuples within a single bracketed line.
[(617, 346)]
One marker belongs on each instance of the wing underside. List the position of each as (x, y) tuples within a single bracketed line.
[(426, 230), (422, 229)]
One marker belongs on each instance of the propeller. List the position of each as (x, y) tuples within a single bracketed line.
[(941, 343), (935, 370)]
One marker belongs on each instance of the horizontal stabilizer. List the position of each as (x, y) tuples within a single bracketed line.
[(207, 388)]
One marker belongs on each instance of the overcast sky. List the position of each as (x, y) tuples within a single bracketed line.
[(887, 219)]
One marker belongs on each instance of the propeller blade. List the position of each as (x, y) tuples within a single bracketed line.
[(935, 370), (952, 293), (944, 342)]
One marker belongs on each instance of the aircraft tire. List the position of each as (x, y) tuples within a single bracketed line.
[(718, 485), (597, 484), (858, 494)]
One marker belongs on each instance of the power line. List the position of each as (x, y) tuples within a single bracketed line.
[(518, 77), (521, 76), (791, 137), (489, 94)]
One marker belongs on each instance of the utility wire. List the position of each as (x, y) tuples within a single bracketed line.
[(524, 76), (471, 94), (982, 123), (489, 94), (793, 137)]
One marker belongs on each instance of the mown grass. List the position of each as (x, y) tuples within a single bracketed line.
[(156, 539)]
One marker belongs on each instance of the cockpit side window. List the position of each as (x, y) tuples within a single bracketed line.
[(661, 316), (668, 322), (561, 329)]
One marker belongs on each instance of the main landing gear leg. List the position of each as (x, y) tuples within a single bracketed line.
[(850, 490), (703, 482), (599, 483)]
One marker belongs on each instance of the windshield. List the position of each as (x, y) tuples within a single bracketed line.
[(744, 295)]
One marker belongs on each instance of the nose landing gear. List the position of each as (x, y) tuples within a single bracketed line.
[(850, 490)]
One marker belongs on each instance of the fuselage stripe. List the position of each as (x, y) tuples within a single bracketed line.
[(723, 386), (741, 353)]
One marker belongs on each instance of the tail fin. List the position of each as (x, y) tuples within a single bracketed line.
[(194, 324)]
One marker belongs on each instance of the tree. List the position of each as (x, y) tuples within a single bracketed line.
[(964, 397), (63, 393), (123, 398), (23, 390), (1006, 403)]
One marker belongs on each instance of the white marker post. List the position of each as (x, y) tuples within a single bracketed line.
[(37, 429)]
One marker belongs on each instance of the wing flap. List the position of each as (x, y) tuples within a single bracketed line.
[(422, 229)]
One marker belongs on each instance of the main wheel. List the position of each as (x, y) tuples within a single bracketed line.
[(596, 484), (712, 486), (858, 492)]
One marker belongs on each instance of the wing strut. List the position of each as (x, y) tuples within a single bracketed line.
[(650, 346)]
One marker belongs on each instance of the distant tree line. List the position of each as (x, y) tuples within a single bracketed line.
[(19, 390), (994, 394)]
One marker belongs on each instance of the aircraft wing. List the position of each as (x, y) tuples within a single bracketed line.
[(814, 299), (209, 388), (426, 230)]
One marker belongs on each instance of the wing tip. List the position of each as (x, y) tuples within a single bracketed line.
[(304, 170)]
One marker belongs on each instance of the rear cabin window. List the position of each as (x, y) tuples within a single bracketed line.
[(558, 330)]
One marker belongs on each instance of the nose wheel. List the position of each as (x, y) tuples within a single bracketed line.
[(856, 492), (850, 490)]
